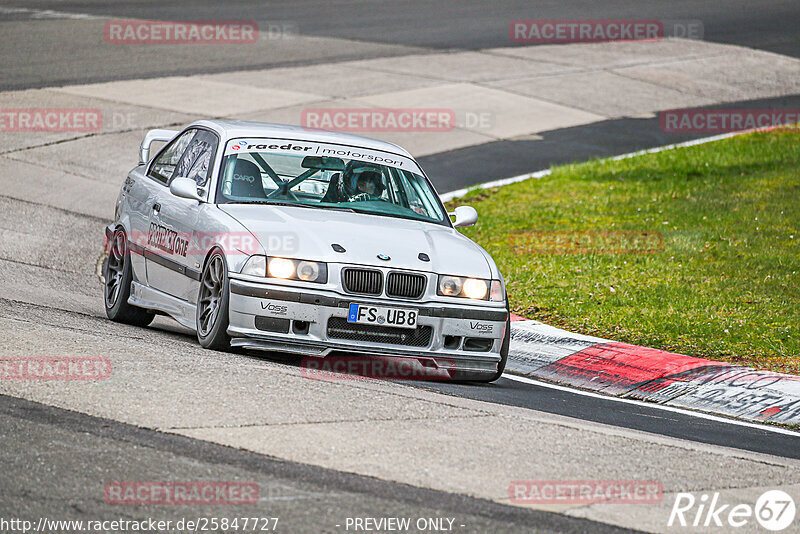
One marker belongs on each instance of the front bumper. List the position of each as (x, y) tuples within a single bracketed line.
[(313, 323)]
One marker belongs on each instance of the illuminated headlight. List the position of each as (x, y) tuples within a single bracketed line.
[(281, 268), (471, 288), (475, 289), (304, 270)]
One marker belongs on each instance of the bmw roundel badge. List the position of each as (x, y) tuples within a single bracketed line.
[(384, 257)]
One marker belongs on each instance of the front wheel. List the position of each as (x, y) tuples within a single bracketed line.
[(118, 275), (471, 376), (212, 304), (501, 365)]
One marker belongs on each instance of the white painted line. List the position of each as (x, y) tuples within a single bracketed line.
[(693, 142), (701, 415), (497, 183), (447, 197)]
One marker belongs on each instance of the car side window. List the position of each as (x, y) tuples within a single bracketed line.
[(197, 158), (163, 168), (416, 201)]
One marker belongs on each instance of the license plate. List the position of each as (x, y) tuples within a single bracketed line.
[(377, 315)]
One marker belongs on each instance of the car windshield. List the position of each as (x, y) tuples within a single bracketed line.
[(334, 183)]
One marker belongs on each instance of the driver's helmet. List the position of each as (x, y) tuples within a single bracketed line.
[(361, 178)]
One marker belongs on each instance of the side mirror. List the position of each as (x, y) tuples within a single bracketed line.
[(185, 188), (465, 216)]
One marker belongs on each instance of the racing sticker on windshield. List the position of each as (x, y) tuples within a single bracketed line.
[(310, 148)]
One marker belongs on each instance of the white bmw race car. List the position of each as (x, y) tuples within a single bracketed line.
[(285, 239)]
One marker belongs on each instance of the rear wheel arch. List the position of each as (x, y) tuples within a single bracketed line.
[(118, 274)]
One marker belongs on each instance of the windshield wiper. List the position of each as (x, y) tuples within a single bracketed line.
[(270, 202), (395, 216), (293, 204)]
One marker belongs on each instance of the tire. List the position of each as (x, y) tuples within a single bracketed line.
[(471, 376), (118, 275), (501, 365), (212, 304)]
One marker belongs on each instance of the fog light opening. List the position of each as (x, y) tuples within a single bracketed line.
[(452, 342), (478, 344), (300, 327)]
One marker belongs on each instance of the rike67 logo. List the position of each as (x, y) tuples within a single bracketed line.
[(774, 510)]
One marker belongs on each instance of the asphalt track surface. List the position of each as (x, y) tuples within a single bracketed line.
[(633, 416), (388, 28), (73, 446), (40, 52), (457, 169), (636, 416)]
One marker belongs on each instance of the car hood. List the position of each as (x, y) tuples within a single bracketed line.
[(308, 233)]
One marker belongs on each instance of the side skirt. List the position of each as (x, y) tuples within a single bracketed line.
[(153, 299)]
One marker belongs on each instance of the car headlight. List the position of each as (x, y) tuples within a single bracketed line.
[(303, 270), (471, 288), (307, 270), (281, 268), (450, 286), (475, 289), (286, 269)]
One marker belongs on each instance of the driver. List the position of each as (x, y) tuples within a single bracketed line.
[(362, 181), (368, 183)]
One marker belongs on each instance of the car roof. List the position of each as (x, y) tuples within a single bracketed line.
[(229, 129)]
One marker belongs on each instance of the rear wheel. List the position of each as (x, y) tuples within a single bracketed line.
[(212, 304), (118, 275)]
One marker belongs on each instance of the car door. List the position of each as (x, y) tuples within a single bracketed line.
[(138, 194), (172, 265)]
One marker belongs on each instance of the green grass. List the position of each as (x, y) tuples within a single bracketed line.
[(722, 282)]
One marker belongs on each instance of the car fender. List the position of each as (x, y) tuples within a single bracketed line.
[(218, 230), (123, 223)]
